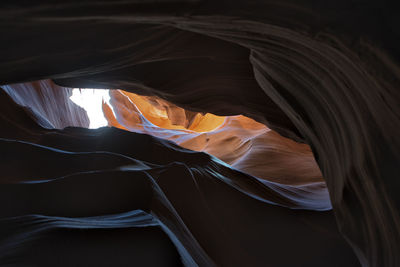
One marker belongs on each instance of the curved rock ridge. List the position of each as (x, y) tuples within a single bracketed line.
[(156, 203), (165, 114), (320, 72), (237, 140)]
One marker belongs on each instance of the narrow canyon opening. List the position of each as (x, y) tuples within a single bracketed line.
[(91, 101), (238, 141)]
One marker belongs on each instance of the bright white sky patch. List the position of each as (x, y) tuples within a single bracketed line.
[(91, 101)]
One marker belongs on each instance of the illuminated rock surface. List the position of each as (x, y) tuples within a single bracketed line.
[(237, 140), (48, 103)]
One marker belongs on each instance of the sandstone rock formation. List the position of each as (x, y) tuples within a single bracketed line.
[(48, 103), (94, 180), (321, 73), (241, 142)]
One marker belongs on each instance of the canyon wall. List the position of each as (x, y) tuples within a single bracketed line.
[(325, 74), (48, 103)]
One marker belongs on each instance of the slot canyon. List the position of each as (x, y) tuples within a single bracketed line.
[(199, 133)]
